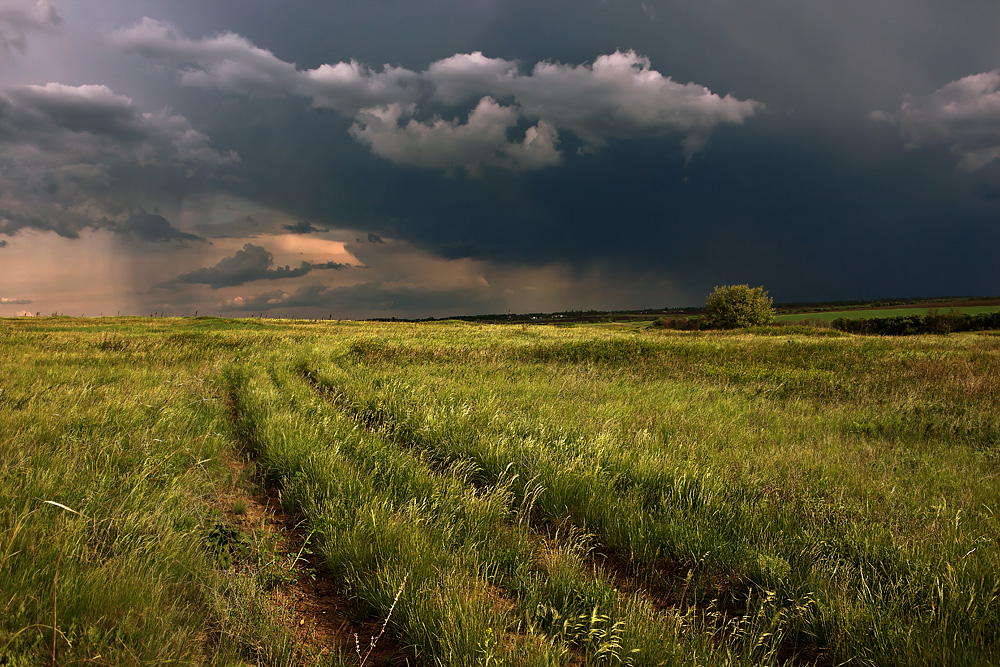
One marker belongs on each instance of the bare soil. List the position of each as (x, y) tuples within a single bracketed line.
[(318, 613)]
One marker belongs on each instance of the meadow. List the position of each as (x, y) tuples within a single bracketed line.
[(502, 494), (856, 313)]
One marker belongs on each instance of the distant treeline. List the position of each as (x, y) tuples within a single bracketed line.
[(907, 325), (563, 317)]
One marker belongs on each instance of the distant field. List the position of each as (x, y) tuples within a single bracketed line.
[(879, 312), (514, 494)]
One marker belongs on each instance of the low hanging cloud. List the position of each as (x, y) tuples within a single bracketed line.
[(18, 18), (965, 114), (6, 300), (618, 96), (152, 227), (64, 151), (304, 227), (247, 265)]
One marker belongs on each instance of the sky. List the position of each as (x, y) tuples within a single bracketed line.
[(392, 158)]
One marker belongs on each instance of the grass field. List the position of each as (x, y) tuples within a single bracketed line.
[(878, 312), (524, 495)]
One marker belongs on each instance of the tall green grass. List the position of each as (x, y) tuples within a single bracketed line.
[(550, 496), (484, 583), (112, 436), (843, 486)]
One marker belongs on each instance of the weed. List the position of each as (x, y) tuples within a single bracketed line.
[(490, 655), (227, 544), (373, 641)]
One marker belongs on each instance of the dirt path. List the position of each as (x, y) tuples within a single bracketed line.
[(307, 598)]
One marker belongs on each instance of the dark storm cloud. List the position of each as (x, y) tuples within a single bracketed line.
[(247, 265), (336, 266), (802, 212), (70, 153), (231, 63), (152, 227), (618, 96), (85, 109), (3, 243), (680, 143), (811, 198), (19, 18), (304, 227), (81, 121)]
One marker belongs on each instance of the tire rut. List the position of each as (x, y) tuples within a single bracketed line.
[(321, 617), (663, 585)]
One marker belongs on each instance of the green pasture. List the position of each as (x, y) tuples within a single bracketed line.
[(516, 495), (878, 312)]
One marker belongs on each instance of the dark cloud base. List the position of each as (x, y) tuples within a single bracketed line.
[(251, 263), (806, 213), (304, 227), (152, 227)]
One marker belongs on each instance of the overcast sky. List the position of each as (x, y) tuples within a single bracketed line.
[(443, 157)]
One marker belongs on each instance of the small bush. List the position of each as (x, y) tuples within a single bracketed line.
[(735, 306), (679, 323)]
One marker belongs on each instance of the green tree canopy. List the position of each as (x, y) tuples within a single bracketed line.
[(734, 306)]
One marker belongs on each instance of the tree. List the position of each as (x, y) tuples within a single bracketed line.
[(734, 306)]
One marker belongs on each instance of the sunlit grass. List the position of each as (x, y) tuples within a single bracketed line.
[(551, 495), (109, 461)]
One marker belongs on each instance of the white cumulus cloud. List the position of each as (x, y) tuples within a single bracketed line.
[(466, 75), (619, 96), (347, 87), (448, 144), (965, 114)]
